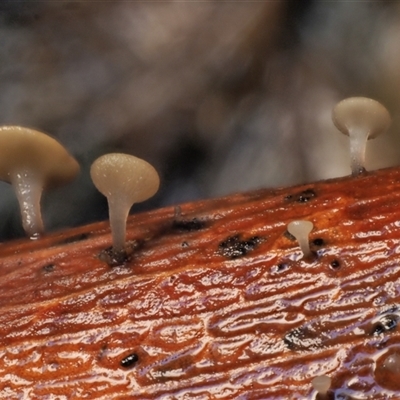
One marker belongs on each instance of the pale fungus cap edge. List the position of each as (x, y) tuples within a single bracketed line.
[(361, 113), (25, 149)]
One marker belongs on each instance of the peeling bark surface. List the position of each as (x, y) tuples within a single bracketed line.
[(215, 301)]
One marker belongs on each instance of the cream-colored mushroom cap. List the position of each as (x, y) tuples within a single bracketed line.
[(322, 383), (125, 176), (24, 149), (361, 113)]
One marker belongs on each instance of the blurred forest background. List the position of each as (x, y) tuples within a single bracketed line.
[(220, 97)]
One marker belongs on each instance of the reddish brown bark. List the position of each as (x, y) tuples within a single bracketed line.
[(215, 301)]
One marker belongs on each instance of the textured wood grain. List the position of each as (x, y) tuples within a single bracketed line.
[(215, 301)]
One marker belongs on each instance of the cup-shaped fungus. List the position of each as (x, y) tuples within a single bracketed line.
[(361, 119), (124, 180), (322, 384), (31, 161), (300, 230)]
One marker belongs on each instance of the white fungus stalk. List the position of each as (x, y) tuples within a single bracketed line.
[(118, 211), (301, 230), (124, 180), (361, 119), (322, 384), (31, 161), (28, 190)]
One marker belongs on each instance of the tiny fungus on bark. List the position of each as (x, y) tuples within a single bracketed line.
[(31, 161), (300, 230), (361, 119), (322, 384), (124, 180)]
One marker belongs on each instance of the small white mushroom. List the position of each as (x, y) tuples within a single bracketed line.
[(361, 119), (30, 161), (124, 180), (322, 384), (300, 230)]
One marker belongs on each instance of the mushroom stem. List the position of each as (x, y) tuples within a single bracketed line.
[(124, 180), (304, 246), (118, 214), (300, 230), (358, 143), (28, 189)]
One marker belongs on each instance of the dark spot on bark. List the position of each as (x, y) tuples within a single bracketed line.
[(48, 268), (303, 338), (306, 196), (279, 268), (293, 338), (188, 225), (385, 324), (185, 244), (301, 197), (113, 258), (234, 246), (335, 264), (129, 360), (318, 242)]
